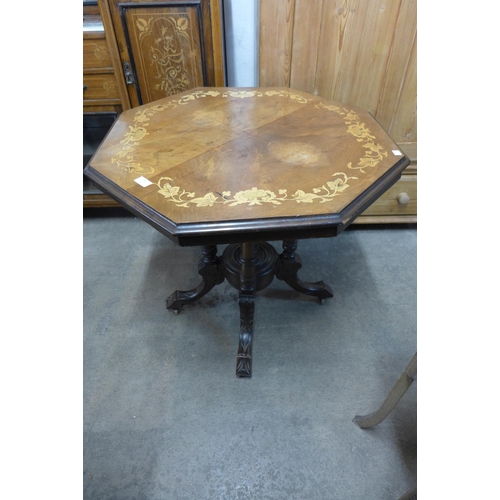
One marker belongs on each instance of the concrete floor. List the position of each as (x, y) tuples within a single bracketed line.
[(165, 416)]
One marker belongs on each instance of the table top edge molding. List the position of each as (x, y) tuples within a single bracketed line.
[(272, 228)]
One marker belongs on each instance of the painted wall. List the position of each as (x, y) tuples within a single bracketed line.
[(241, 19)]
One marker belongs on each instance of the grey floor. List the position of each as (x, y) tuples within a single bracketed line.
[(165, 416)]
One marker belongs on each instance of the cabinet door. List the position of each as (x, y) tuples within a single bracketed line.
[(166, 46)]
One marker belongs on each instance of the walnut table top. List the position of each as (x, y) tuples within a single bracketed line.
[(222, 165)]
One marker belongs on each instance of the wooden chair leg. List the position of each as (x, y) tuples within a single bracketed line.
[(410, 495), (396, 393)]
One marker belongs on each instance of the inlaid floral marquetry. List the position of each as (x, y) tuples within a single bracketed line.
[(167, 52), (165, 41), (231, 153)]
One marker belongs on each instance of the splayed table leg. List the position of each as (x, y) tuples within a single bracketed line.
[(209, 268)]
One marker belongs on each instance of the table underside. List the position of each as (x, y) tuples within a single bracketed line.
[(248, 267)]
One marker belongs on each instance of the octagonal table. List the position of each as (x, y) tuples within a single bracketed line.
[(244, 166)]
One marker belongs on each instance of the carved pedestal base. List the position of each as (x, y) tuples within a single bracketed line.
[(248, 267)]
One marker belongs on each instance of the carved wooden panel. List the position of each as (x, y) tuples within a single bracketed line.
[(169, 46)]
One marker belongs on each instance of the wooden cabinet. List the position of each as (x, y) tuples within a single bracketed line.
[(162, 47), (397, 205), (138, 51), (358, 53), (101, 97), (100, 86)]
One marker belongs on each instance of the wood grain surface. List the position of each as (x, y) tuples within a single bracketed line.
[(276, 30), (222, 154), (356, 52)]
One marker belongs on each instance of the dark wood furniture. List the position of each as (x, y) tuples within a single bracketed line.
[(242, 167)]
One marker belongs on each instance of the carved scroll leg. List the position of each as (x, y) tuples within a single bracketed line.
[(289, 264), (209, 268), (247, 306)]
